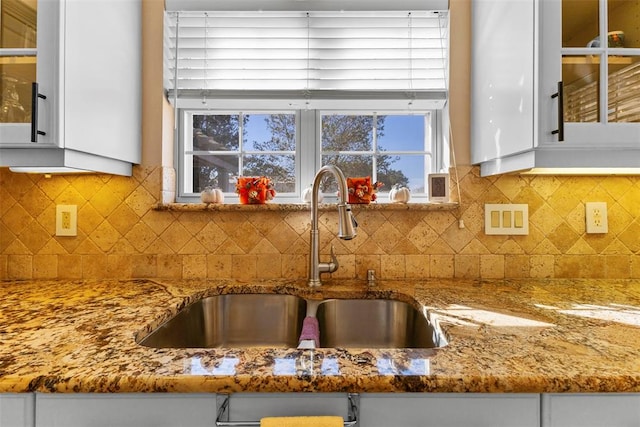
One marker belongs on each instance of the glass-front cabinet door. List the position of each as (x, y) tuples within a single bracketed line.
[(18, 53), (590, 74)]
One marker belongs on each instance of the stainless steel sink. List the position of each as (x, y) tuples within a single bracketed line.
[(237, 320), (376, 323)]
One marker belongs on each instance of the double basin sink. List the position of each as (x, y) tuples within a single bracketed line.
[(270, 320)]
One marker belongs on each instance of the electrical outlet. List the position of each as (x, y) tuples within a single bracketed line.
[(66, 220), (596, 217)]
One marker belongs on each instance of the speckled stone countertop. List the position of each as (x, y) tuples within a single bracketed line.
[(504, 336)]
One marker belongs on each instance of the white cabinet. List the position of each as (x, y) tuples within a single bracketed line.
[(125, 410), (450, 410), (590, 410), (89, 70), (397, 409), (17, 409), (521, 51)]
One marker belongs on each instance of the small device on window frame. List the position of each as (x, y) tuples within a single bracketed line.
[(439, 187)]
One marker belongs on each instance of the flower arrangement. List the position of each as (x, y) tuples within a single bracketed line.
[(255, 189), (361, 190)]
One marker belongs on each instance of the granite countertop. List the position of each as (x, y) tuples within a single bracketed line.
[(504, 336)]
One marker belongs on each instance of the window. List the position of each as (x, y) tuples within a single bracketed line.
[(219, 146), (390, 148), (282, 93)]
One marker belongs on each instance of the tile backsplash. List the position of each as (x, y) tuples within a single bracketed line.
[(120, 235)]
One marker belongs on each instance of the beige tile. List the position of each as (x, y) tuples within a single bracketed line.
[(365, 263), (387, 237), (34, 237), (417, 266), (635, 266), (193, 247), (467, 266), (20, 267), (123, 219), (194, 266), (442, 266), (392, 266), (294, 266), (176, 236), (517, 266), (492, 266), (268, 266), (119, 267), (542, 266), (170, 266), (347, 268), (104, 236), (4, 274), (94, 266), (618, 266), (70, 266), (140, 236), (244, 267), (219, 266), (630, 237), (144, 266)]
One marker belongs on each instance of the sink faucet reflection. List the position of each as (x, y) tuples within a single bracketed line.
[(346, 224)]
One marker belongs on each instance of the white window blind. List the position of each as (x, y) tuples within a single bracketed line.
[(308, 55)]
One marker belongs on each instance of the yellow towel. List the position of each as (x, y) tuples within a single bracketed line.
[(325, 421)]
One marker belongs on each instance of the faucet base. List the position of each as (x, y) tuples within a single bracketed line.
[(314, 283)]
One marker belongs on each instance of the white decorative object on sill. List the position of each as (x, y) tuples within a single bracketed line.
[(399, 194), (212, 195), (306, 195)]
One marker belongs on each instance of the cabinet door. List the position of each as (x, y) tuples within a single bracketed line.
[(125, 410), (449, 409), (591, 410), (503, 48), (26, 30), (593, 48), (254, 406), (17, 410), (102, 53)]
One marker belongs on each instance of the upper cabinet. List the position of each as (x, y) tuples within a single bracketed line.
[(18, 56), (85, 111), (555, 84)]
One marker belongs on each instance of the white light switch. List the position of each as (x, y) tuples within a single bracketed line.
[(506, 219)]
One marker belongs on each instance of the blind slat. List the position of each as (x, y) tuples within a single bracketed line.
[(227, 51)]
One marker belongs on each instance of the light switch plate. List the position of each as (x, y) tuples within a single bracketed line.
[(506, 219)]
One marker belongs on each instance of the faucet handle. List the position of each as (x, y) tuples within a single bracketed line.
[(334, 260)]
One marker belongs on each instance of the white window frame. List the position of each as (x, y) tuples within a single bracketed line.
[(308, 153), (185, 171)]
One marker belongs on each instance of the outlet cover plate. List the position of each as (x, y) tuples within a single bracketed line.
[(596, 218), (66, 220), (506, 219)]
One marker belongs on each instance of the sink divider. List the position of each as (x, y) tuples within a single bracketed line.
[(223, 402)]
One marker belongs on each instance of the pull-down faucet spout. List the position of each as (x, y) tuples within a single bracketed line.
[(346, 224)]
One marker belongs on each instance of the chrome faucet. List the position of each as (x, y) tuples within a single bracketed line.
[(346, 224)]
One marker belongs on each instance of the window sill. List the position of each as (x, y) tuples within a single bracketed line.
[(231, 207)]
